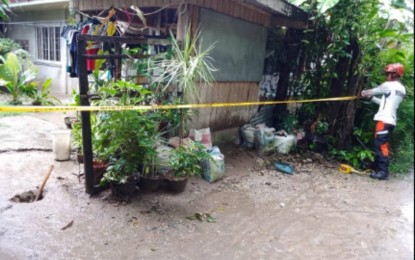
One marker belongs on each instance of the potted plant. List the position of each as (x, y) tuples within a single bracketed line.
[(155, 167), (150, 179), (99, 161), (186, 65), (125, 136), (142, 68), (185, 162)]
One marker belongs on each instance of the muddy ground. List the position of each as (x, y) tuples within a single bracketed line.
[(257, 212)]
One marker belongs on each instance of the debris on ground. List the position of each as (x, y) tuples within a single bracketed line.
[(202, 217), (68, 225), (5, 208)]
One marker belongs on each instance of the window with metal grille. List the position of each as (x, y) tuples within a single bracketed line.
[(48, 43)]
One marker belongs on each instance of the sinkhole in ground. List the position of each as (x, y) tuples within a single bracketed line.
[(26, 197)]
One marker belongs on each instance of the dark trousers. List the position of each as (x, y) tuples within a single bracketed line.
[(382, 135)]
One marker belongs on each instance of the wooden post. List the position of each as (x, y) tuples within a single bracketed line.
[(85, 116)]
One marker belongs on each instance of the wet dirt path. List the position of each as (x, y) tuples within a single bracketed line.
[(262, 214)]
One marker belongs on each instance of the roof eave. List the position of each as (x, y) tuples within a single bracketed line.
[(291, 15), (39, 5)]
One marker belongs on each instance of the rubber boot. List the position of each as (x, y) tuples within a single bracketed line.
[(380, 175)]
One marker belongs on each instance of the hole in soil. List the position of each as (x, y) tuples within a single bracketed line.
[(26, 197)]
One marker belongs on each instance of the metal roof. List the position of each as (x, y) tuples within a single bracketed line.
[(39, 5), (280, 7)]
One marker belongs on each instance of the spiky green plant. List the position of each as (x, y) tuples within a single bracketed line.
[(4, 8), (189, 65)]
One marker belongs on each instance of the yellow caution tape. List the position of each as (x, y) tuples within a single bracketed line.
[(37, 109)]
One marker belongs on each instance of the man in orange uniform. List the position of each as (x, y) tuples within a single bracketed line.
[(392, 92)]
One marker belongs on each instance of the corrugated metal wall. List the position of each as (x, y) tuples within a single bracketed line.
[(265, 115), (226, 117)]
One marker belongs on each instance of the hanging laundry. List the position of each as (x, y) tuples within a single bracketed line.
[(111, 28), (69, 33), (109, 23), (92, 47), (73, 56)]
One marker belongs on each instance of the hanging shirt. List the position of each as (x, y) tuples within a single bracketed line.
[(91, 47), (91, 29)]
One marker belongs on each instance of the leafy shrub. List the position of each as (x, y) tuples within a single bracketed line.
[(358, 157), (7, 45), (402, 139)]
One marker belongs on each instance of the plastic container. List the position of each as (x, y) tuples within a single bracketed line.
[(284, 168), (61, 145), (163, 154)]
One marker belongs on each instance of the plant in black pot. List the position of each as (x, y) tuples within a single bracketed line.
[(122, 176), (125, 136), (150, 179), (186, 162)]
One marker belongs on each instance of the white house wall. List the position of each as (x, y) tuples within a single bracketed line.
[(22, 26)]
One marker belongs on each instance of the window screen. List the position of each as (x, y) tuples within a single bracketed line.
[(48, 43)]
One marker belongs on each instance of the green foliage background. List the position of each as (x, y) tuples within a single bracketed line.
[(335, 26)]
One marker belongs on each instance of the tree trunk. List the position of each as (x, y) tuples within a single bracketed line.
[(282, 91), (337, 87), (344, 128), (290, 64)]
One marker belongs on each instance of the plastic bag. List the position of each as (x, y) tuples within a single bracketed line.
[(248, 135), (264, 139), (285, 143), (175, 141), (203, 136), (214, 169)]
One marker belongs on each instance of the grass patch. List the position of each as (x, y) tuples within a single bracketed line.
[(6, 114), (403, 159)]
